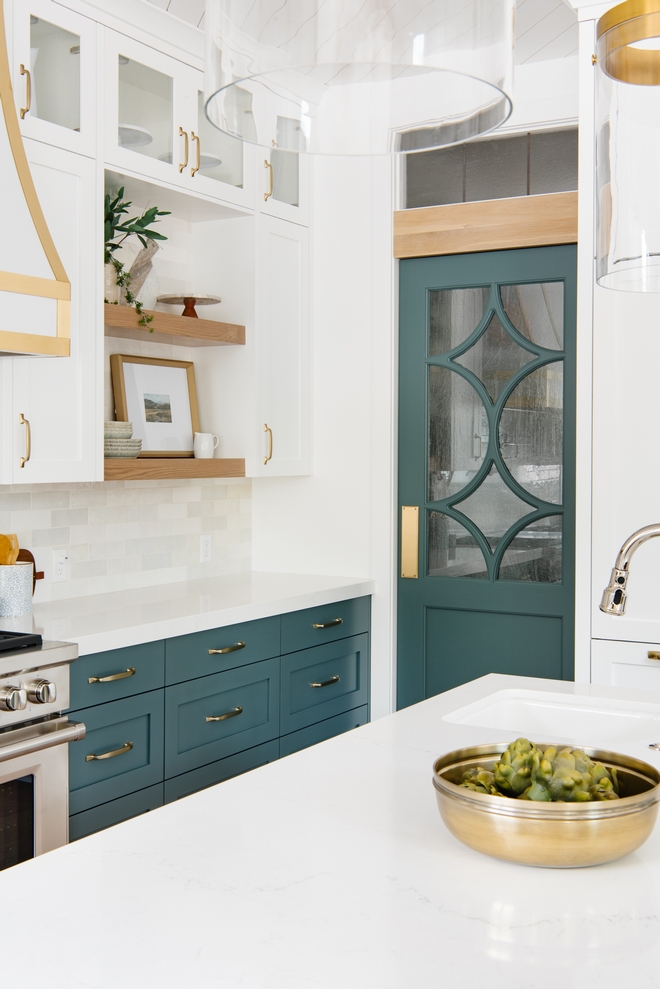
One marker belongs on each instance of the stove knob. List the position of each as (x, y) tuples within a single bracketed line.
[(13, 698), (42, 692)]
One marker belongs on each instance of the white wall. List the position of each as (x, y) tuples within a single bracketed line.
[(339, 520)]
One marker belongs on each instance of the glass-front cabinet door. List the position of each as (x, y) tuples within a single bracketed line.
[(218, 165), (146, 129), (54, 76), (285, 180)]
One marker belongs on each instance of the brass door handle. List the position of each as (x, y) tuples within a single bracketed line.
[(28, 438), (130, 672), (184, 134), (221, 652), (110, 755), (195, 137), (268, 194), (326, 683), (335, 621), (223, 717), (653, 655), (268, 430), (410, 541), (28, 91)]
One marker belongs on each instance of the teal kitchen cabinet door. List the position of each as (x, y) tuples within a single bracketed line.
[(215, 716), (486, 468), (218, 649), (325, 623), (121, 752), (321, 682), (108, 676)]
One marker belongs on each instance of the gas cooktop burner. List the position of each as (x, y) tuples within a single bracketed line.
[(19, 640)]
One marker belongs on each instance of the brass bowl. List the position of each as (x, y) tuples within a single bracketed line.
[(551, 835)]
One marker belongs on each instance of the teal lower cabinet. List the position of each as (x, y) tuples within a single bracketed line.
[(321, 732), (223, 769), (326, 680), (167, 718), (216, 716), (121, 752), (115, 811)]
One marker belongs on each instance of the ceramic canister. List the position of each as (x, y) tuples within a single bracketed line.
[(16, 589)]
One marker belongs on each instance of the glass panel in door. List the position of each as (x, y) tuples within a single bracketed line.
[(286, 167), (146, 110), (220, 156), (16, 821), (55, 72)]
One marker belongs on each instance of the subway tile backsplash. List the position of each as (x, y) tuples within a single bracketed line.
[(124, 534)]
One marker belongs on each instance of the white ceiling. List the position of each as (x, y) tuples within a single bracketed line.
[(545, 29)]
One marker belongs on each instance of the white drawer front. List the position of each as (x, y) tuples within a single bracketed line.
[(625, 664)]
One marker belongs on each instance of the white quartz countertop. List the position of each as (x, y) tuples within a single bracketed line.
[(125, 618), (330, 868)]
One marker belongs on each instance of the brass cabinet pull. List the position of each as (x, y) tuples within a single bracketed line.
[(28, 438), (223, 717), (326, 683), (221, 652), (268, 194), (335, 621), (130, 672), (126, 747), (653, 655), (268, 430), (28, 91), (410, 541), (195, 137), (184, 134)]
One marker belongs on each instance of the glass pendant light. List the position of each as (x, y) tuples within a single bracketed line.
[(628, 147), (358, 77)]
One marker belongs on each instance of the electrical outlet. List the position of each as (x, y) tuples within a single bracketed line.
[(204, 549), (60, 565)]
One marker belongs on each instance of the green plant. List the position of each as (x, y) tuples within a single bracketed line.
[(117, 227)]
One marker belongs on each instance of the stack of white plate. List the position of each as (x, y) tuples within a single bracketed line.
[(118, 442)]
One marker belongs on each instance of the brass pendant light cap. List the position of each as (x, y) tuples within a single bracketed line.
[(623, 27)]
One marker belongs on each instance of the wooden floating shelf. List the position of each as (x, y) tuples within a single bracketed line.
[(123, 321), (170, 468)]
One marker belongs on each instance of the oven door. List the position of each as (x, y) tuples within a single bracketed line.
[(34, 788)]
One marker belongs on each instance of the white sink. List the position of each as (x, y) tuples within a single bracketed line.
[(547, 717)]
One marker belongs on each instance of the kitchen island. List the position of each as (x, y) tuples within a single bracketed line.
[(331, 868)]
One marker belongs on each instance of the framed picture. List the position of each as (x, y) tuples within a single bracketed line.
[(160, 399)]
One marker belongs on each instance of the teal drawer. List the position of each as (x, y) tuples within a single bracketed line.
[(321, 682), (223, 769), (325, 729), (117, 673), (111, 728), (187, 656), (340, 620), (192, 741), (115, 811)]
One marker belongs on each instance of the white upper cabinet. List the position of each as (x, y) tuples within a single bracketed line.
[(283, 187), (218, 164), (60, 396), (54, 75), (146, 130), (155, 125)]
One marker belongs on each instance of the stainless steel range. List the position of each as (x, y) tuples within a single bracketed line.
[(34, 763)]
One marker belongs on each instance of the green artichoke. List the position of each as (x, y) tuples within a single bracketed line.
[(513, 772), (481, 781), (525, 772)]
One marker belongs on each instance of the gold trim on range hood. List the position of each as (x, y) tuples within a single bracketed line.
[(59, 288)]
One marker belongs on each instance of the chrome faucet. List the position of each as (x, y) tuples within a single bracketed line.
[(614, 595)]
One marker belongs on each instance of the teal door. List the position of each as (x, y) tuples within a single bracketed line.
[(487, 460)]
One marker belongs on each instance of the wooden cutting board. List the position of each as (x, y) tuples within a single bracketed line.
[(8, 549)]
